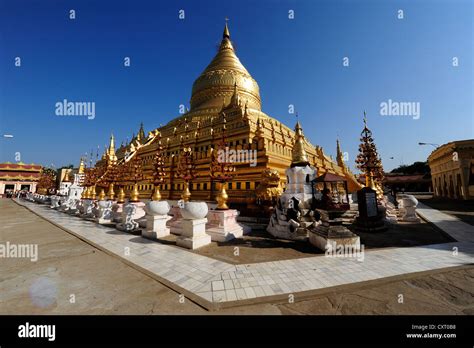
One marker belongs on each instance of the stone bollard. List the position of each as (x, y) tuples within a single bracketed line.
[(104, 212), (409, 203), (156, 219), (128, 223), (64, 204), (88, 209), (117, 209), (193, 233), (73, 206), (54, 202)]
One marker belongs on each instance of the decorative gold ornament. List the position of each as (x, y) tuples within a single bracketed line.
[(156, 194), (369, 181), (368, 160), (121, 195), (270, 186), (299, 158), (186, 193), (111, 193), (158, 169), (186, 168), (135, 195), (222, 198), (84, 193), (92, 193), (222, 171), (101, 194)]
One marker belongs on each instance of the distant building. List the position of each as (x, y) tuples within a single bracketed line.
[(452, 170), (408, 182), (400, 182), (18, 176)]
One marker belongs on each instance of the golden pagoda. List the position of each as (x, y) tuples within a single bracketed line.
[(226, 90)]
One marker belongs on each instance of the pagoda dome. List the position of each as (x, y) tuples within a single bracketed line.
[(215, 86)]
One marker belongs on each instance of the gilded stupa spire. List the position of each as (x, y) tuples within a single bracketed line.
[(299, 158), (235, 100), (111, 156), (218, 79), (339, 155), (259, 131), (112, 144), (245, 114), (81, 166), (141, 133), (226, 30)]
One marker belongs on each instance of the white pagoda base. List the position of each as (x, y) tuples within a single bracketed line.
[(222, 225)]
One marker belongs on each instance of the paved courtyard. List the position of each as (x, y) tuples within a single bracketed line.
[(216, 284), (463, 210)]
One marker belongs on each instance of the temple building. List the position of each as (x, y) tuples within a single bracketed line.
[(452, 170), (225, 93), (18, 176)]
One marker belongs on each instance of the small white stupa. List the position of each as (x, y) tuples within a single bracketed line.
[(293, 214), (75, 190)]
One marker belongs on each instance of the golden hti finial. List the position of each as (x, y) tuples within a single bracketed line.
[(365, 119), (226, 30), (299, 158)]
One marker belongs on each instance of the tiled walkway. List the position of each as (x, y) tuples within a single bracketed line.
[(214, 284), (457, 229)]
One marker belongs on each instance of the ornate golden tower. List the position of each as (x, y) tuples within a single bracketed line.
[(225, 86)]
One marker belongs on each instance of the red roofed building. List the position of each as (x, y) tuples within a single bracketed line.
[(405, 182), (18, 176)]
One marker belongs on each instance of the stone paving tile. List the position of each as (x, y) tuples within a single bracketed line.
[(231, 295), (241, 295), (217, 285), (217, 281), (250, 292), (219, 296)]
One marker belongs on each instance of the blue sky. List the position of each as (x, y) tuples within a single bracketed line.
[(298, 61)]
